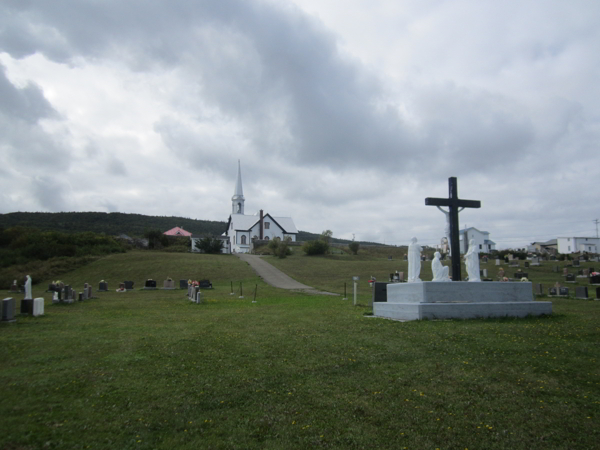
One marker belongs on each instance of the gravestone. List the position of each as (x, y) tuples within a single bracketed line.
[(379, 292), (103, 286), (595, 279), (598, 293), (150, 284), (38, 307), (514, 263), (14, 287), (90, 294), (84, 293), (497, 262), (570, 278), (183, 284), (581, 292), (405, 257), (510, 257), (484, 259), (591, 270), (526, 264), (485, 273), (205, 284), (575, 263), (555, 269), (565, 272), (586, 272), (80, 297), (552, 291), (122, 287), (580, 273), (169, 284), (198, 297), (27, 306), (535, 261), (564, 291), (8, 310), (520, 275), (129, 285), (539, 289)]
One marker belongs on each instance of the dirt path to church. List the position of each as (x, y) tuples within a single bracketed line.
[(276, 277)]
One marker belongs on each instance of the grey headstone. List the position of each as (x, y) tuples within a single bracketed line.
[(102, 287), (555, 269), (581, 292), (8, 309), (576, 263), (129, 285), (539, 289), (183, 284), (485, 273), (497, 262), (563, 291)]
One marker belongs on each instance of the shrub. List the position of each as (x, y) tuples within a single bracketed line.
[(209, 245), (315, 247), (354, 246)]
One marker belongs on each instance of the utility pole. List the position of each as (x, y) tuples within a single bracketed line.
[(596, 222)]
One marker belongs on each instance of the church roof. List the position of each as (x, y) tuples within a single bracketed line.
[(243, 222)]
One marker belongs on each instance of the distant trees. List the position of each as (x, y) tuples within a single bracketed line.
[(354, 246), (209, 245), (156, 239)]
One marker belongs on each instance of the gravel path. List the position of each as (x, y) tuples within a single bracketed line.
[(276, 277)]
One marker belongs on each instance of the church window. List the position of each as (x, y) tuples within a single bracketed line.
[(266, 238), (267, 224), (243, 239)]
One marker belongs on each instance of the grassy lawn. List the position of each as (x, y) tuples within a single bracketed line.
[(150, 370)]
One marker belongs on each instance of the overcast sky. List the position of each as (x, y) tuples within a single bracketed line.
[(345, 115)]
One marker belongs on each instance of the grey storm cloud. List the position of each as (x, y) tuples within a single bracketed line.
[(274, 70)]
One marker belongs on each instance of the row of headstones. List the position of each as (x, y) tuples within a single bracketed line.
[(398, 277), (151, 284), (34, 307), (581, 292), (63, 293)]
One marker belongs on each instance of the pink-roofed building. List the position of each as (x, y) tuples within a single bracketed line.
[(177, 231)]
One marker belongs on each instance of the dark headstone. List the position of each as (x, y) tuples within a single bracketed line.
[(8, 310), (129, 285), (80, 298), (205, 284), (27, 306), (521, 274), (581, 292), (597, 293), (552, 291), (539, 289), (591, 269), (526, 264), (484, 259), (150, 284), (595, 279), (103, 287), (379, 292), (580, 273), (405, 258), (576, 263), (570, 278), (563, 291), (183, 284)]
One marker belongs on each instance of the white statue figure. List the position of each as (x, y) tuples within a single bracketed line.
[(472, 262), (28, 295), (447, 227), (440, 272), (414, 261)]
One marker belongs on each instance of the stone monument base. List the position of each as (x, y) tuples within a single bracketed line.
[(459, 300)]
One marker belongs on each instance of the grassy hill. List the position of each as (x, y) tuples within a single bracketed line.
[(151, 370)]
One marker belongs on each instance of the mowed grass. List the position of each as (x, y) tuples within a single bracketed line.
[(151, 370)]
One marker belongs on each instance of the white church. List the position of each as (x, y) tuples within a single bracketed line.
[(242, 229)]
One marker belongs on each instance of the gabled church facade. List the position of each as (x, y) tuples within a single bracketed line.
[(242, 229)]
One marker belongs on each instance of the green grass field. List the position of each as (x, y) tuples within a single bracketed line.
[(151, 370)]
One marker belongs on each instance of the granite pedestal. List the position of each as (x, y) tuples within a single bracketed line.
[(459, 300)]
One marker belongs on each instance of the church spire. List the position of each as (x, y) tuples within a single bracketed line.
[(237, 201)]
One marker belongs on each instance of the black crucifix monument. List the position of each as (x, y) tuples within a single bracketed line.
[(453, 203)]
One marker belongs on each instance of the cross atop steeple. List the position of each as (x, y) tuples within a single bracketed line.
[(237, 201)]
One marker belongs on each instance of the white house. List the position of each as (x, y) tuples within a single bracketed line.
[(242, 229), (578, 244), (482, 240)]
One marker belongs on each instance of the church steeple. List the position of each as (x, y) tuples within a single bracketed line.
[(237, 201)]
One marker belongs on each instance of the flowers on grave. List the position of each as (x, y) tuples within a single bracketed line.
[(372, 280), (194, 283), (524, 279), (169, 279), (504, 278), (595, 274)]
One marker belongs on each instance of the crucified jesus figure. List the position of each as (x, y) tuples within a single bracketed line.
[(447, 229)]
